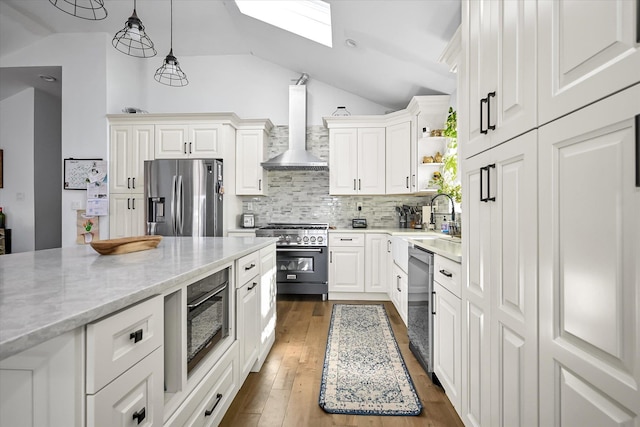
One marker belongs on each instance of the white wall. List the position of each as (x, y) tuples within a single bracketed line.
[(17, 196)]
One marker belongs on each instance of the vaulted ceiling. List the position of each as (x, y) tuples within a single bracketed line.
[(396, 57)]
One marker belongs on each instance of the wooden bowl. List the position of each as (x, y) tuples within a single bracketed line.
[(125, 245)]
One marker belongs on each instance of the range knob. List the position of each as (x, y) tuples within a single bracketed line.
[(313, 238), (287, 238), (298, 239), (306, 239), (320, 239)]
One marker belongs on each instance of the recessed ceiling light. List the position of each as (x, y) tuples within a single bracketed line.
[(47, 78), (351, 43)]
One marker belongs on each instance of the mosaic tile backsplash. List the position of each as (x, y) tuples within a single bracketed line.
[(303, 196)]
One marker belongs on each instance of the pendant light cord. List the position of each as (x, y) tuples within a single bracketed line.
[(171, 25)]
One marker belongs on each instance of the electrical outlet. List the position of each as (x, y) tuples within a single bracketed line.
[(359, 206), (75, 205)]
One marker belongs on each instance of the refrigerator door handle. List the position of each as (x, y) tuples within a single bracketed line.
[(180, 205), (173, 204)]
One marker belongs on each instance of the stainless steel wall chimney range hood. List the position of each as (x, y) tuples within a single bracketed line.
[(297, 157)]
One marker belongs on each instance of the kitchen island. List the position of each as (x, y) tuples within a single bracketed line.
[(46, 293)]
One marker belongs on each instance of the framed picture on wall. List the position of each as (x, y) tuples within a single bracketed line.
[(76, 173)]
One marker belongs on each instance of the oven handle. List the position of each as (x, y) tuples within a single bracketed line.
[(299, 250), (208, 296)]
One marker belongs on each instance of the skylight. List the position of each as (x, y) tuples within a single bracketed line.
[(307, 18)]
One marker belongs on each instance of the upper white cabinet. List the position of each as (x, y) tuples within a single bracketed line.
[(398, 158), (589, 274), (499, 286), (499, 44), (251, 150), (357, 161), (196, 140), (588, 50), (130, 146)]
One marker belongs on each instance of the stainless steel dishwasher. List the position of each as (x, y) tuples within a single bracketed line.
[(420, 314)]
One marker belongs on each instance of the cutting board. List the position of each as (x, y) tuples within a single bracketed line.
[(125, 245)]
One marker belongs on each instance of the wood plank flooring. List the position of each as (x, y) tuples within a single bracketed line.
[(285, 392)]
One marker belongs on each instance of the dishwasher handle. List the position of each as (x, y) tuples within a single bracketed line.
[(433, 302)]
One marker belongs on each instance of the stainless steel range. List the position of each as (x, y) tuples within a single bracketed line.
[(301, 257)]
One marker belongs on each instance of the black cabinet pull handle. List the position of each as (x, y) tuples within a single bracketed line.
[(140, 415), (133, 203), (433, 302), (128, 182), (482, 198), (354, 184), (407, 182), (398, 283), (637, 25), (489, 96), (359, 184), (133, 180), (253, 285), (249, 267), (189, 148), (482, 130), (185, 148), (136, 336), (260, 184), (210, 411), (491, 166), (128, 202), (446, 273), (638, 121), (344, 239)]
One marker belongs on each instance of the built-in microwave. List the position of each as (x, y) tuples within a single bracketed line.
[(208, 311)]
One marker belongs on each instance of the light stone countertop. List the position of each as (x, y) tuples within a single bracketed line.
[(438, 243), (46, 293)]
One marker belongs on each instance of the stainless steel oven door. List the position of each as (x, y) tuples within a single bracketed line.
[(302, 265)]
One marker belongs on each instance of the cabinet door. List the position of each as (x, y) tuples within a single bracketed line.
[(126, 215), (371, 161), (250, 176), (171, 141), (589, 274), (513, 284), (399, 290), (398, 158), (446, 343), (346, 269), (141, 149), (343, 161), (204, 140), (119, 147), (268, 290), (248, 321), (376, 263), (588, 50), (43, 386)]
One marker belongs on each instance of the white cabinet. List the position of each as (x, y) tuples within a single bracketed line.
[(589, 274), (251, 150), (357, 161), (399, 288), (267, 307), (130, 146), (346, 262), (499, 41), (499, 286), (184, 140), (398, 158), (44, 385), (248, 320), (447, 354), (126, 215), (588, 50), (376, 263)]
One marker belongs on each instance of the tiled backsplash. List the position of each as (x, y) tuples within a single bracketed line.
[(303, 196)]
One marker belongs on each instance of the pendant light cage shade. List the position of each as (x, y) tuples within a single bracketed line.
[(133, 40), (170, 73), (92, 10)]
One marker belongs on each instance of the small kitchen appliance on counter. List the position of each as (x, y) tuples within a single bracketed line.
[(359, 223), (248, 220)]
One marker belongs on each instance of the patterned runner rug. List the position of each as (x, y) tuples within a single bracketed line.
[(364, 373)]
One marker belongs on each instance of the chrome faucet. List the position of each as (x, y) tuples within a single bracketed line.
[(453, 211)]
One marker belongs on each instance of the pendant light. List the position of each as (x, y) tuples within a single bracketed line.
[(92, 10), (132, 39), (170, 73)]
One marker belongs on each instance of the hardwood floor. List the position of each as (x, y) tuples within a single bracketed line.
[(285, 392)]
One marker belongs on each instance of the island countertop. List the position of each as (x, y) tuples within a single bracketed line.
[(46, 293)]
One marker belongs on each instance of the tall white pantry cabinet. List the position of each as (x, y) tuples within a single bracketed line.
[(551, 270)]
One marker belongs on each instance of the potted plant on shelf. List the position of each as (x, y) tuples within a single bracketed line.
[(447, 181)]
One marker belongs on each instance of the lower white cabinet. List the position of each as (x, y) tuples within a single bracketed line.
[(126, 215), (399, 287), (267, 304), (376, 263), (133, 399), (44, 385), (346, 262), (208, 402), (248, 319), (447, 355)]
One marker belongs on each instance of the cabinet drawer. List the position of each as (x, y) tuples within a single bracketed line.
[(248, 266), (133, 399), (214, 393), (117, 342), (346, 239), (447, 273)]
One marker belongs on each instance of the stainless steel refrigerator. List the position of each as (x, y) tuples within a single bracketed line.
[(183, 197)]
